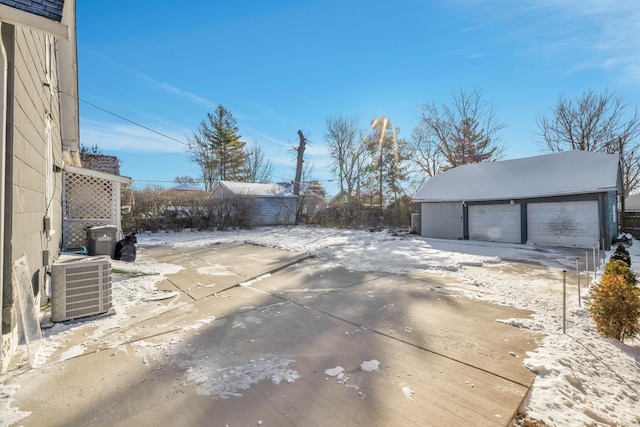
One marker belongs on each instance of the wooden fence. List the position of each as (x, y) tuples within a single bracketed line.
[(631, 223)]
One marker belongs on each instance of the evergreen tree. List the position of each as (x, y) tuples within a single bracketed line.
[(218, 149), (384, 175), (471, 145)]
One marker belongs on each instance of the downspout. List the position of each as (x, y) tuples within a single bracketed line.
[(68, 85), (7, 324)]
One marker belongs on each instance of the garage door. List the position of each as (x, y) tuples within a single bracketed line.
[(569, 224), (495, 223), (442, 220)]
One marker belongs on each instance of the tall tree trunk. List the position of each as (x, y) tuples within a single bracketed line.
[(296, 184)]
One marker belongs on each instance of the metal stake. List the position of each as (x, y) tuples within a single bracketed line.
[(564, 301), (595, 267), (586, 263), (578, 274)]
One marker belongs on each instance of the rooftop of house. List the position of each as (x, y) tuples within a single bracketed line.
[(51, 9), (100, 162)]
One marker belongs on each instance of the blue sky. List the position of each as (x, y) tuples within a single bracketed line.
[(288, 65)]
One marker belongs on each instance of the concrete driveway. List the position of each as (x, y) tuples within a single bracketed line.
[(298, 343)]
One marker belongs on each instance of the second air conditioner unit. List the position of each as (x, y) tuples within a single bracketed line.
[(80, 287)]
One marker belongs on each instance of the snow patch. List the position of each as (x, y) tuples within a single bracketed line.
[(370, 365), (9, 415), (227, 382)]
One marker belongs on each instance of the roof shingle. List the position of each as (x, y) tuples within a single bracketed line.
[(51, 9)]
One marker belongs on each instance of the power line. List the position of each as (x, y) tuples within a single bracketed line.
[(124, 118)]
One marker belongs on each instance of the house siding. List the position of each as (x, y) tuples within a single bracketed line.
[(33, 145), (274, 211), (33, 106), (612, 214), (266, 210)]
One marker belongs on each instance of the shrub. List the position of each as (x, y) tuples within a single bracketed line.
[(621, 253), (615, 307), (622, 249), (617, 267)]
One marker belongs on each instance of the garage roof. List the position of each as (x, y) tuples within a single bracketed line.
[(564, 173), (256, 189)]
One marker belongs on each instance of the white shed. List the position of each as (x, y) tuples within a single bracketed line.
[(565, 199)]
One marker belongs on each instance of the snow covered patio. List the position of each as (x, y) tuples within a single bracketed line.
[(375, 329)]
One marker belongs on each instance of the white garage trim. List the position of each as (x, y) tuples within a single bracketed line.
[(495, 223), (568, 224)]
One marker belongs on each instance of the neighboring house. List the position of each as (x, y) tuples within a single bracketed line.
[(179, 199), (185, 186), (314, 199), (272, 204), (565, 199), (632, 203), (313, 196), (101, 162), (367, 199)]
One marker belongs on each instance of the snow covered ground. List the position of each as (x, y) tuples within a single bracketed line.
[(583, 379)]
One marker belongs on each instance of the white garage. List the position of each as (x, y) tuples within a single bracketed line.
[(495, 223), (567, 199), (567, 224)]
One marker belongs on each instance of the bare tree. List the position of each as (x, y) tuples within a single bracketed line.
[(341, 137), (258, 169), (204, 158), (299, 162), (465, 131), (599, 122), (423, 156)]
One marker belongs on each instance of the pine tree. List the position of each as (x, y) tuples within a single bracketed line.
[(226, 144), (470, 145), (385, 174), (217, 147)]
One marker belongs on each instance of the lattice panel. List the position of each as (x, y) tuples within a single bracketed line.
[(88, 201), (89, 197)]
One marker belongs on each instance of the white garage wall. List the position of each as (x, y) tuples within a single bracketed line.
[(568, 224), (495, 223)]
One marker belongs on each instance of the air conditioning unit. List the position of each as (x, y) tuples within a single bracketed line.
[(80, 287)]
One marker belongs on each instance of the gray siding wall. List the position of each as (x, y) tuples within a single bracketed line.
[(33, 106), (442, 220), (612, 215), (274, 211)]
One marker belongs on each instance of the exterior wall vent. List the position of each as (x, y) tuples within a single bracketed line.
[(80, 287)]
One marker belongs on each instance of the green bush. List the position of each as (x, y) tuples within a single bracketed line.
[(617, 267), (621, 253), (615, 307)]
